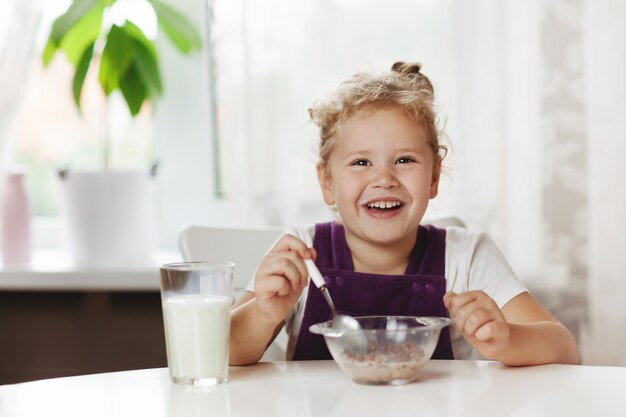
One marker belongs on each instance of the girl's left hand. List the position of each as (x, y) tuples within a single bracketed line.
[(480, 321)]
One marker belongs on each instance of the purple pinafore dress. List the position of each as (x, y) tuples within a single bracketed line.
[(419, 292)]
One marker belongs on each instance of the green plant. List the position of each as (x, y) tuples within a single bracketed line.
[(127, 59)]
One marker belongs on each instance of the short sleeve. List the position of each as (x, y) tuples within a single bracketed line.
[(474, 262)]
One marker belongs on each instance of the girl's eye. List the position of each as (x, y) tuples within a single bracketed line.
[(405, 160), (361, 162)]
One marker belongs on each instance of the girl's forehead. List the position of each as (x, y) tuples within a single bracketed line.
[(381, 127), (382, 118)]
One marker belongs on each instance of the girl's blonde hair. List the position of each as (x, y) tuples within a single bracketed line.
[(403, 87)]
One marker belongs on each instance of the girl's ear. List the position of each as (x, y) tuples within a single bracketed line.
[(323, 177), (434, 184)]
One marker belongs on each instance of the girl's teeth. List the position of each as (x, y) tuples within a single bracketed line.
[(384, 204)]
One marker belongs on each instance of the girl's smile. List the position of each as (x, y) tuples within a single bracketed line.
[(382, 207)]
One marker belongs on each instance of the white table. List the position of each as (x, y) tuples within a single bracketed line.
[(319, 388)]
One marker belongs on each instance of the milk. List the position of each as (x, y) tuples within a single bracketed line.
[(197, 329)]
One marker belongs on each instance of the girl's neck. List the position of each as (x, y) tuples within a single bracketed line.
[(374, 258)]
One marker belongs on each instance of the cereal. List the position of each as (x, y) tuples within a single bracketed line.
[(385, 363)]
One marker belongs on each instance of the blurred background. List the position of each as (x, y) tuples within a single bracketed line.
[(531, 97)]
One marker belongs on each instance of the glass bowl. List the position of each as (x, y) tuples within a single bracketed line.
[(388, 350)]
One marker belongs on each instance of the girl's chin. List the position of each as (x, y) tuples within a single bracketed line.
[(389, 234)]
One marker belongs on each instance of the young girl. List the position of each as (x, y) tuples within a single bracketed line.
[(380, 162)]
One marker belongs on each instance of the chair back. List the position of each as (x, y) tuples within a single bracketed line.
[(245, 247)]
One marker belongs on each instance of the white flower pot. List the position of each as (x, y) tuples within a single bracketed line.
[(109, 217)]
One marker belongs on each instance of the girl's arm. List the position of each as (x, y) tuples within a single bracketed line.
[(257, 317), (250, 332), (522, 333)]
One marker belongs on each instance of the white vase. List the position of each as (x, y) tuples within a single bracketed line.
[(16, 224), (109, 217)]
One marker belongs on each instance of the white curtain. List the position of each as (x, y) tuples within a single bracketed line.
[(544, 143), (544, 140), (18, 31), (604, 39)]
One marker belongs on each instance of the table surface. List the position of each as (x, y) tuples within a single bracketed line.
[(320, 388)]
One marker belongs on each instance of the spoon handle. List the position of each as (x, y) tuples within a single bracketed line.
[(319, 282), (315, 274)]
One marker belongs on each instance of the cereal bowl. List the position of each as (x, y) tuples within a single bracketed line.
[(388, 350)]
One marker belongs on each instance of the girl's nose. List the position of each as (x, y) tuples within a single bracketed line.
[(384, 178)]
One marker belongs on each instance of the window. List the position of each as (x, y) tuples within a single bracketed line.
[(47, 132)]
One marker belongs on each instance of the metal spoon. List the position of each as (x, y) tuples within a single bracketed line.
[(341, 322)]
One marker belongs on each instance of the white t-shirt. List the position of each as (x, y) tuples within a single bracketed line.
[(473, 262)]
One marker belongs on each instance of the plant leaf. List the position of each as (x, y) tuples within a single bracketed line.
[(81, 72), (145, 59), (137, 34), (178, 29), (115, 60), (48, 52), (148, 69), (134, 90), (66, 21), (84, 32)]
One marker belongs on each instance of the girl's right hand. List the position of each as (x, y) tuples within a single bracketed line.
[(281, 277)]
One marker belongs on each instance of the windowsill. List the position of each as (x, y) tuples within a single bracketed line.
[(52, 270)]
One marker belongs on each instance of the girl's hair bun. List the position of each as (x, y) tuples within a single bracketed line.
[(406, 68), (411, 70)]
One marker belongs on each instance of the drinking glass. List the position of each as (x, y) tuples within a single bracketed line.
[(196, 299)]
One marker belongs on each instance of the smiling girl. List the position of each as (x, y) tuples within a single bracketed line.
[(380, 163)]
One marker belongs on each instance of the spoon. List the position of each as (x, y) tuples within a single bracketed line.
[(341, 322)]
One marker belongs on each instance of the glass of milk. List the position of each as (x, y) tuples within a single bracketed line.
[(196, 299)]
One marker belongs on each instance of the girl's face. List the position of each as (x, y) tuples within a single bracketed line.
[(380, 175)]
